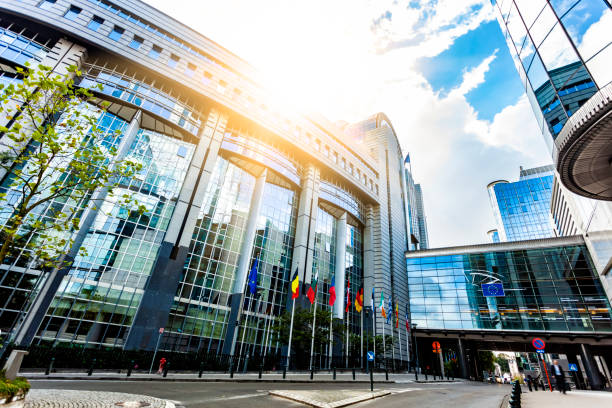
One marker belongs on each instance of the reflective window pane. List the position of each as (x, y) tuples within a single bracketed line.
[(600, 67), (556, 50), (545, 22), (530, 9), (561, 6), (588, 25)]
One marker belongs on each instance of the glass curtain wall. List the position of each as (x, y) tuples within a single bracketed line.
[(97, 301), (354, 271), (199, 315), (561, 50), (554, 289), (273, 252), (15, 298)]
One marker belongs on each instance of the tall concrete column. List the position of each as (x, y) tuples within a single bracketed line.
[(303, 247), (27, 330), (368, 257), (161, 287), (236, 299), (590, 367), (340, 281), (463, 369), (340, 270)]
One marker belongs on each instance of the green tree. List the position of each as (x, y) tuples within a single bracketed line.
[(53, 157), (502, 361), (486, 360)]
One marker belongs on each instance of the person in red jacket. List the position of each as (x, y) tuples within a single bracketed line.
[(162, 364)]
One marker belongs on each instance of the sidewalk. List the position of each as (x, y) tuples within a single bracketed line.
[(573, 399), (91, 399), (292, 377)]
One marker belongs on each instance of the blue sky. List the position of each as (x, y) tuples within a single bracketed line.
[(445, 71), (440, 69)]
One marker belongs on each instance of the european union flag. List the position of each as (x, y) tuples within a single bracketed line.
[(493, 289), (253, 278)]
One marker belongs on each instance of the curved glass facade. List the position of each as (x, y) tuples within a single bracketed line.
[(561, 50), (97, 301), (548, 289)]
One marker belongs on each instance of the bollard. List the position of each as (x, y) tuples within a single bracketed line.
[(334, 373), (260, 370), (201, 369), (371, 380), (91, 367), (231, 368), (50, 366), (311, 373), (129, 372), (166, 368), (353, 374), (425, 375), (386, 374), (284, 373)]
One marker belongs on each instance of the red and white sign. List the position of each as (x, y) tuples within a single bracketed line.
[(538, 343), (161, 330)]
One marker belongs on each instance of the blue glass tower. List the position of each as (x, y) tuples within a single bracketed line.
[(522, 208)]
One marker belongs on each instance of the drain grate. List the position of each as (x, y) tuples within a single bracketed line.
[(133, 404)]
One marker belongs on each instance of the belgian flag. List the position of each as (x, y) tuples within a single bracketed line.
[(295, 285)]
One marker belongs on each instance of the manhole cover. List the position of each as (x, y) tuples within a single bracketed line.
[(132, 404)]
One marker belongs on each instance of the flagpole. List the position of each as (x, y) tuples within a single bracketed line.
[(331, 336), (314, 322), (384, 345), (399, 334), (244, 329), (347, 338), (408, 359), (290, 334), (392, 348), (361, 333)]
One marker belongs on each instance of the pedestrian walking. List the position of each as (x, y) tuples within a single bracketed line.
[(529, 380), (162, 365), (559, 374)]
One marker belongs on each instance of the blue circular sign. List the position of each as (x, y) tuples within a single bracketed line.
[(538, 343)]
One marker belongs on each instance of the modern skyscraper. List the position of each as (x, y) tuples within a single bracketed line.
[(231, 185), (563, 52), (415, 210), (522, 208)]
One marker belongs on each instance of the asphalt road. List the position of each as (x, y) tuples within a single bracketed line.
[(196, 395)]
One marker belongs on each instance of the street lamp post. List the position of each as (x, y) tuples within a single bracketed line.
[(416, 353)]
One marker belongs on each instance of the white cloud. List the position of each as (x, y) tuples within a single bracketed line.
[(326, 57), (476, 76)]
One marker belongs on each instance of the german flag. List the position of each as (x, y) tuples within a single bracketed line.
[(295, 285), (359, 300)]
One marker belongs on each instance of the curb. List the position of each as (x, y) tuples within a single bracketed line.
[(338, 404), (208, 380), (504, 402)]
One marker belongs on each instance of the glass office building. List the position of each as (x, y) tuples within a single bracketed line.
[(231, 183), (522, 208), (562, 51), (548, 286), (415, 210)]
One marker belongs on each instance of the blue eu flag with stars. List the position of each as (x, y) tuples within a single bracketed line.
[(492, 289), (253, 278)]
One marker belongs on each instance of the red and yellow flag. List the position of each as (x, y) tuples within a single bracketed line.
[(359, 300), (396, 315)]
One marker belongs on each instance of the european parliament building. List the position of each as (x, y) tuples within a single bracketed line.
[(229, 184)]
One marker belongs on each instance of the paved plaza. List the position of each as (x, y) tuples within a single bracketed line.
[(61, 398), (573, 399)]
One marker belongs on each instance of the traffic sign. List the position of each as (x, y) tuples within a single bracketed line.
[(573, 367), (436, 346), (493, 289), (540, 351), (370, 356), (538, 343), (161, 330)]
